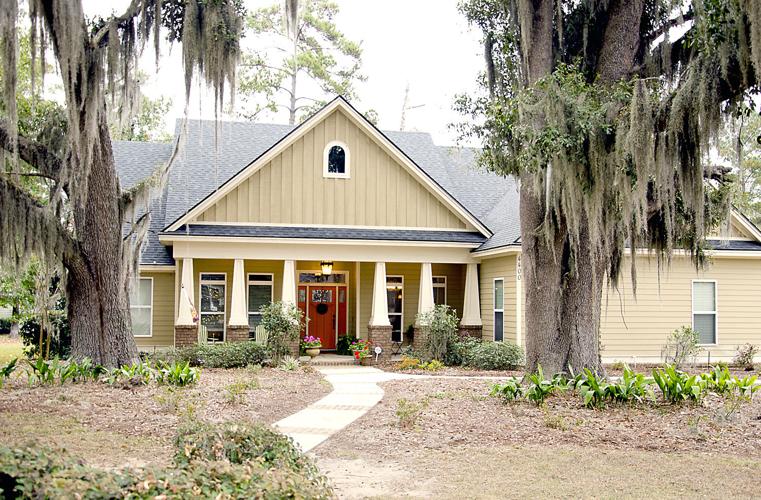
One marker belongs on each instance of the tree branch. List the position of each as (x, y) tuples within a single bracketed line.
[(671, 23), (35, 154), (131, 12)]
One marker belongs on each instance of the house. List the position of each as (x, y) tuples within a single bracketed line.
[(363, 228)]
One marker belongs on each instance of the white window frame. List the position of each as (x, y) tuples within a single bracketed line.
[(347, 161), (132, 306), (497, 309), (201, 282), (400, 314), (249, 282), (715, 312), (441, 285)]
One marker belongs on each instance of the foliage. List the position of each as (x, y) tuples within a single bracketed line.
[(361, 348), (138, 373), (718, 380), (745, 356), (459, 349), (509, 390), (433, 365), (747, 386), (41, 371), (289, 364), (738, 145), (593, 389), (494, 356), (7, 370), (440, 326), (283, 322), (178, 374), (344, 341), (409, 363), (681, 344), (60, 338), (540, 388), (223, 355), (677, 386), (236, 390), (307, 44), (311, 342), (630, 388), (409, 412)]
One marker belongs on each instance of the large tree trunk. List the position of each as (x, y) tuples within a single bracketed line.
[(97, 292)]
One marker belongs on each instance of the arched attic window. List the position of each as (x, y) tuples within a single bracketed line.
[(336, 160)]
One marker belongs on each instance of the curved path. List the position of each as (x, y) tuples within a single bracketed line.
[(355, 392)]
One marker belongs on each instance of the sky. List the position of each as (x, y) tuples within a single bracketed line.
[(424, 43)]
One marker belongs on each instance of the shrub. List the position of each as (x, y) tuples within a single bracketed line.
[(283, 322), (177, 373), (745, 355), (409, 363), (494, 356), (433, 365), (344, 341), (510, 390), (289, 364), (224, 355), (7, 370), (631, 387), (593, 389), (681, 344), (540, 388), (41, 371), (718, 380), (408, 412), (440, 325), (459, 349), (138, 373), (676, 386), (60, 340)]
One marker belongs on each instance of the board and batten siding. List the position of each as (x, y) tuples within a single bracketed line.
[(638, 327), (162, 311), (504, 267), (291, 188)]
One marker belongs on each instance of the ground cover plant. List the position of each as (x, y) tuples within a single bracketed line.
[(223, 355)]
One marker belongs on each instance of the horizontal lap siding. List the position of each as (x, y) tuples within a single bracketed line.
[(639, 326), (163, 311), (489, 270), (291, 188)]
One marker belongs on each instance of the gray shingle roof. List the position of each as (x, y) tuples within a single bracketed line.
[(201, 168), (735, 245), (329, 233)]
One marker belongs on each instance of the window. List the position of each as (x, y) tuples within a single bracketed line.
[(213, 294), (395, 299), (314, 277), (259, 294), (499, 308), (439, 290), (704, 310), (336, 161), (141, 307)]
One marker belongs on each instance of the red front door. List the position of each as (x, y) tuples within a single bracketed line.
[(322, 314)]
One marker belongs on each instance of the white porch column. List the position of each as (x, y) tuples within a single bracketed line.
[(425, 298), (289, 282), (471, 310), (186, 304), (238, 309), (379, 315)]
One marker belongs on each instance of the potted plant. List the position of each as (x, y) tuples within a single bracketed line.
[(311, 345), (362, 350)]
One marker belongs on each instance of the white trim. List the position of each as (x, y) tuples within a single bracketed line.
[(317, 241), (299, 282), (249, 282), (331, 226), (152, 268), (497, 252), (518, 300), (715, 312), (150, 307), (200, 301), (357, 288), (300, 131), (742, 221), (400, 314), (347, 161), (496, 309), (642, 252), (441, 285)]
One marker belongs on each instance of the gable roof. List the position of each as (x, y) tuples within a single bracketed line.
[(254, 163)]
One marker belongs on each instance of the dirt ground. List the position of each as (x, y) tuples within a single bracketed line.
[(114, 427), (464, 444)]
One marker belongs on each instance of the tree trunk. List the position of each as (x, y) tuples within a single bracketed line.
[(14, 333), (101, 327)]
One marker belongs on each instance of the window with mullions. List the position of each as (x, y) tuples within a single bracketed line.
[(395, 300), (499, 309), (141, 307), (439, 290), (259, 294), (704, 310), (213, 315)]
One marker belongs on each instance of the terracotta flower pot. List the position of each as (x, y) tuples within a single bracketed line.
[(366, 361), (313, 351)]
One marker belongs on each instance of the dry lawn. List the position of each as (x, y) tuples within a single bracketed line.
[(113, 427), (464, 444)]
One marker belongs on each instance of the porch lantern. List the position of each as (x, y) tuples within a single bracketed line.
[(326, 267)]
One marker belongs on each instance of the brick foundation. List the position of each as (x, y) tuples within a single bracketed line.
[(185, 335), (475, 331), (419, 337), (293, 346), (380, 336), (237, 333)]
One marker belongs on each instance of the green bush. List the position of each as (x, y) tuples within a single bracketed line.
[(344, 341), (494, 356), (283, 322), (440, 325), (459, 349), (225, 355), (7, 370), (510, 390), (631, 387), (60, 341), (179, 374), (540, 388), (682, 344), (677, 386)]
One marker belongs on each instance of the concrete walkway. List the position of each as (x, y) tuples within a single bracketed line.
[(355, 392)]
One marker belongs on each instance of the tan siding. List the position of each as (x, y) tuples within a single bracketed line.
[(639, 326), (491, 269), (163, 311), (291, 189)]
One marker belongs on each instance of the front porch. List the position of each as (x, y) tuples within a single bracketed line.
[(218, 299)]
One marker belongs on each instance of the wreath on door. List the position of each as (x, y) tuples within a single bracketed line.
[(322, 308)]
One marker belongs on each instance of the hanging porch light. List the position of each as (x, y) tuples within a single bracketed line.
[(327, 267)]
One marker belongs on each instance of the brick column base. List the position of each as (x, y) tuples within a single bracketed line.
[(185, 335), (419, 338), (293, 346), (380, 336), (237, 333), (475, 331)]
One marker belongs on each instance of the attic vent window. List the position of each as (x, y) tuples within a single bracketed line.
[(336, 161)]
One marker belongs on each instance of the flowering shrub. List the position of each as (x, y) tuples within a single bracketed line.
[(310, 342)]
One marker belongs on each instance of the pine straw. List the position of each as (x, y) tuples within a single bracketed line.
[(112, 427)]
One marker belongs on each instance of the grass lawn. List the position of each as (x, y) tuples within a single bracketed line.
[(464, 444), (9, 349), (114, 427)]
